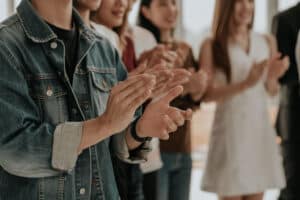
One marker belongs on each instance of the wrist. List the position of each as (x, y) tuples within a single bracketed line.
[(272, 81), (106, 124), (137, 133), (245, 84)]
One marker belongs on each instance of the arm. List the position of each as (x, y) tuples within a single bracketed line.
[(286, 40), (272, 86), (277, 67), (216, 92), (30, 147)]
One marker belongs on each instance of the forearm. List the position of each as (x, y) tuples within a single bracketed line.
[(94, 131), (221, 93)]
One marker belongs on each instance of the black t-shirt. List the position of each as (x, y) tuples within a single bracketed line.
[(70, 39)]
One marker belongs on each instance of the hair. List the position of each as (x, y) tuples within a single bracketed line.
[(146, 23), (221, 30)]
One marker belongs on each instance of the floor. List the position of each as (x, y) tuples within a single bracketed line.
[(196, 194)]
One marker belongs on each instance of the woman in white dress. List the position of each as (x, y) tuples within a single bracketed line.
[(244, 67)]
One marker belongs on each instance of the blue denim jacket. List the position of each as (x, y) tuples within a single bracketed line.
[(42, 112)]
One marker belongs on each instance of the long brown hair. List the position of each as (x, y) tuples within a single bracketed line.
[(221, 29)]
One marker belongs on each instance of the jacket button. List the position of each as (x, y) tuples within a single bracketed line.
[(53, 45), (82, 191)]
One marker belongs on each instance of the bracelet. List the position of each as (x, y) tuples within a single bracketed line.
[(135, 135)]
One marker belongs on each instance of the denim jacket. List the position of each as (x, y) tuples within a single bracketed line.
[(42, 112)]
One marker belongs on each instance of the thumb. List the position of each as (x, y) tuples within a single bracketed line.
[(172, 94)]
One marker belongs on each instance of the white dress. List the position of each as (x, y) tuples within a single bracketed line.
[(243, 156)]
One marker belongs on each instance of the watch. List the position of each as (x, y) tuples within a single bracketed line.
[(135, 135)]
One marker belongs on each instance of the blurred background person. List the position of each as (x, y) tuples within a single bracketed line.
[(243, 159), (173, 179), (113, 15), (286, 26)]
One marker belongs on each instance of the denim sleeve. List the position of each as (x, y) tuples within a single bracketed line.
[(120, 146), (26, 142)]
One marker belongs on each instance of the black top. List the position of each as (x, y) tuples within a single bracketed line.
[(286, 26), (70, 40)]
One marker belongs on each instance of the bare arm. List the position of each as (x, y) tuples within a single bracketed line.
[(277, 67), (216, 92)]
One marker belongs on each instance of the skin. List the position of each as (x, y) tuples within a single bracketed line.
[(242, 17), (163, 14), (111, 13), (125, 97), (84, 7)]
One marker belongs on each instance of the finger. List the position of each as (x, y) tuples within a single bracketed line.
[(176, 115), (179, 72), (138, 99), (140, 69), (188, 114), (169, 124), (169, 56), (172, 94), (136, 90), (133, 80), (164, 135)]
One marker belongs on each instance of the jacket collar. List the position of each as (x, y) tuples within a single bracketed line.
[(38, 30)]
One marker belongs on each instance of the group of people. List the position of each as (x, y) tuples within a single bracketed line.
[(94, 108)]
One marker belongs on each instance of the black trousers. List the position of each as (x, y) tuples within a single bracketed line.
[(150, 185), (288, 128)]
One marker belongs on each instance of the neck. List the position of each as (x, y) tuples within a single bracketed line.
[(166, 36), (85, 15), (55, 12), (241, 31)]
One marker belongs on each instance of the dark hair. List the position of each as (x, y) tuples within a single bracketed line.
[(221, 32), (146, 23)]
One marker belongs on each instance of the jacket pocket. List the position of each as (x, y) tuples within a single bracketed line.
[(103, 80), (50, 95)]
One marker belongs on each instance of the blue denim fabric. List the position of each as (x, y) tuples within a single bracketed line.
[(42, 112), (174, 177)]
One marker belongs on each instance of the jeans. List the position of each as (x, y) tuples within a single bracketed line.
[(175, 176), (150, 185)]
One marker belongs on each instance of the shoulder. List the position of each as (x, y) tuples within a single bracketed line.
[(207, 44), (140, 31), (11, 29), (142, 35), (287, 15)]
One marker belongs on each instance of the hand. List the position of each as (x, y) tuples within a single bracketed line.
[(159, 55), (160, 119), (256, 73), (197, 84), (277, 67), (166, 78), (124, 100)]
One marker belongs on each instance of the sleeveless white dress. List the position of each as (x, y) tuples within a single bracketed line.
[(243, 156)]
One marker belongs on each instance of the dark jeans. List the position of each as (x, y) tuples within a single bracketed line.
[(175, 176), (150, 185), (129, 180)]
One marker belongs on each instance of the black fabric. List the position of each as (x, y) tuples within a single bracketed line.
[(70, 39), (291, 163), (285, 27), (149, 185)]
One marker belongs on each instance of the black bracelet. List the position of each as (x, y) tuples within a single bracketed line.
[(135, 135)]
